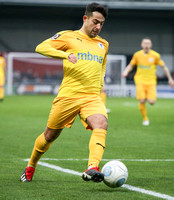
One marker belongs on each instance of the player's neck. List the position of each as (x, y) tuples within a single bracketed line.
[(146, 52), (82, 30)]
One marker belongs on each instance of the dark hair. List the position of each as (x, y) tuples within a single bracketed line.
[(90, 8)]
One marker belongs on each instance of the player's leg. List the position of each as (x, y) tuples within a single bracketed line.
[(98, 123), (151, 101), (62, 114), (94, 117), (151, 98), (143, 111), (141, 96), (41, 145), (151, 94)]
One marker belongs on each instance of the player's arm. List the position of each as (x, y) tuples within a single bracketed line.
[(130, 66), (128, 69), (161, 63), (167, 72), (56, 48)]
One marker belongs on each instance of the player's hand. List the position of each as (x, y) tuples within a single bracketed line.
[(124, 74), (171, 82), (72, 58)]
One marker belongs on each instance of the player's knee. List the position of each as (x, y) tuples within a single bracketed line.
[(51, 134), (104, 124), (151, 102), (100, 124), (97, 121), (142, 101)]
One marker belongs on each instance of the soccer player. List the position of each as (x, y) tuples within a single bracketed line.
[(2, 77), (145, 77), (84, 63)]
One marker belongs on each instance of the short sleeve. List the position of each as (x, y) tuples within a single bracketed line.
[(134, 60), (59, 41), (56, 46), (159, 61)]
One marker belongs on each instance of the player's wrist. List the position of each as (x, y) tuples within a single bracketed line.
[(68, 55)]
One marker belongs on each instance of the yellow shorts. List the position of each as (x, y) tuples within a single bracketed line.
[(64, 111), (145, 91)]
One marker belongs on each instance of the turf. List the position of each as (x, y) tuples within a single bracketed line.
[(23, 118)]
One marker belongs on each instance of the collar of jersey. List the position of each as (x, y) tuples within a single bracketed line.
[(147, 53)]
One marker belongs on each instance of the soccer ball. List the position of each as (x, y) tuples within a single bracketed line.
[(115, 173)]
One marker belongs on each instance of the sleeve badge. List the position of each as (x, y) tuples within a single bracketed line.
[(55, 36), (100, 45)]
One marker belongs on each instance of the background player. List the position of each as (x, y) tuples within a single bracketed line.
[(2, 77), (145, 77), (84, 64)]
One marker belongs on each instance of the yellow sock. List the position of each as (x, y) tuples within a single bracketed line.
[(96, 147), (40, 147), (103, 96), (142, 108), (1, 92)]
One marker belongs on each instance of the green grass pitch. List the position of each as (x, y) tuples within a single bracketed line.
[(23, 118)]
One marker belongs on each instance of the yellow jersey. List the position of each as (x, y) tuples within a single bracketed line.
[(146, 66), (2, 70), (86, 77)]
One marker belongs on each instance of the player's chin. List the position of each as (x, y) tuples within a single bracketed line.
[(94, 34)]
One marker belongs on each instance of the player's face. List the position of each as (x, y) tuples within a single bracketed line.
[(146, 45), (93, 24)]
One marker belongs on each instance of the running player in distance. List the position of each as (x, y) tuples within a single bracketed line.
[(2, 77), (145, 78), (84, 62)]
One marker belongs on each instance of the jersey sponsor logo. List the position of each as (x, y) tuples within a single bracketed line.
[(150, 59), (55, 36), (88, 56), (144, 67), (100, 45)]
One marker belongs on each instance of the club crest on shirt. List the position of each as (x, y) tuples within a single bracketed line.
[(150, 59), (55, 36), (100, 45)]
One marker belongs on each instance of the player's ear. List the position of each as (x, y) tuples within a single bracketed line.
[(85, 18)]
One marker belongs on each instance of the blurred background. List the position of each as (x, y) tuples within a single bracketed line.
[(24, 24)]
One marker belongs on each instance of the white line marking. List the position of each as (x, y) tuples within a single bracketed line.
[(129, 187), (132, 160), (69, 171), (152, 193)]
